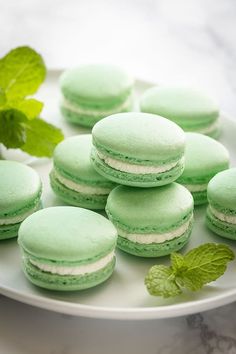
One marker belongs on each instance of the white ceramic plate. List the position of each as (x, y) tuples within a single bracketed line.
[(124, 295)]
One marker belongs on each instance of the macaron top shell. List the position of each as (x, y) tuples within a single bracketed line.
[(96, 84), (180, 104), (204, 157), (222, 190), (148, 210), (140, 137), (72, 156), (67, 234), (20, 186)]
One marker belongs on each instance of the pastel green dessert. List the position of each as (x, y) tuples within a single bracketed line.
[(74, 179), (20, 192), (221, 212), (92, 92), (189, 108), (151, 222), (67, 248), (138, 149), (204, 158)]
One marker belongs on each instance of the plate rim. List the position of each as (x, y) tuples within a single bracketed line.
[(123, 313)]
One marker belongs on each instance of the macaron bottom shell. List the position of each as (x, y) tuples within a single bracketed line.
[(9, 231), (136, 180), (51, 281), (221, 228), (199, 197), (87, 121), (154, 249), (71, 197), (75, 118)]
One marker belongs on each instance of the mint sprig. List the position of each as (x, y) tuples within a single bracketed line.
[(22, 71), (192, 271)]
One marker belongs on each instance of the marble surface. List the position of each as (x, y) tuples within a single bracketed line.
[(190, 42)]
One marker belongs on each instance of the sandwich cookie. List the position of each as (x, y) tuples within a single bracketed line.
[(151, 222), (20, 192), (138, 149), (74, 179), (192, 110), (204, 158), (221, 212), (92, 92), (67, 248)]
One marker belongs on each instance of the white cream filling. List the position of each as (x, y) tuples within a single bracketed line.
[(18, 218), (209, 129), (75, 270), (133, 168), (196, 187), (81, 188), (155, 238), (93, 112), (223, 217)]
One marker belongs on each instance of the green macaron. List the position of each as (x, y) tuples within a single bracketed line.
[(92, 92), (151, 222), (20, 192), (204, 157), (74, 179), (67, 248), (189, 108), (221, 212), (138, 149)]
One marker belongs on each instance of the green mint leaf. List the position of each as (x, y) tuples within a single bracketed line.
[(205, 264), (12, 131), (160, 281), (41, 138), (22, 71), (30, 107), (177, 261), (2, 97), (198, 267)]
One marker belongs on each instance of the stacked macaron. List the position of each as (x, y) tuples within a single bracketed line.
[(92, 92), (138, 149), (144, 153)]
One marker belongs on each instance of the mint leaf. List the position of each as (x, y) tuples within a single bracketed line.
[(2, 97), (30, 107), (205, 264), (160, 281), (12, 131), (41, 138), (198, 267), (177, 261), (22, 71)]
